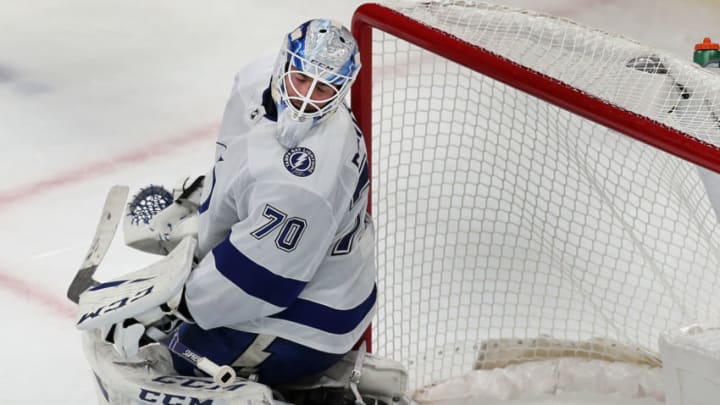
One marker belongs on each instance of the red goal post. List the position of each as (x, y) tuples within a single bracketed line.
[(512, 197)]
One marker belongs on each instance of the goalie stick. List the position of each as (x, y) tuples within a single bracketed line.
[(104, 233), (84, 279)]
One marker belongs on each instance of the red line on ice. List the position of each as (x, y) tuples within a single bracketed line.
[(29, 291), (99, 168)]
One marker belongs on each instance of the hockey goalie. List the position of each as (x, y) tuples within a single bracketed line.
[(267, 279)]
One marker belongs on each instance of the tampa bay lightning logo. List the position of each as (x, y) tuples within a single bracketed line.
[(299, 161)]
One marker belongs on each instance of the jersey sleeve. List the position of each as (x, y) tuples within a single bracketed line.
[(266, 260)]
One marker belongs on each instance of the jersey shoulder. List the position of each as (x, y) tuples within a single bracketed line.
[(253, 76), (245, 98)]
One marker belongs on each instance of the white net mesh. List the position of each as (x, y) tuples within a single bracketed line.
[(500, 215)]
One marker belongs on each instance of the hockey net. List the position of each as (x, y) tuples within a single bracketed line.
[(535, 185)]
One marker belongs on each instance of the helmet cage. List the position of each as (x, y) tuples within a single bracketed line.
[(312, 108), (295, 58)]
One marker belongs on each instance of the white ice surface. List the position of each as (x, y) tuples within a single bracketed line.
[(94, 93)]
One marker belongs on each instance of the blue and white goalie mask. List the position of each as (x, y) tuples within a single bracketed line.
[(317, 65)]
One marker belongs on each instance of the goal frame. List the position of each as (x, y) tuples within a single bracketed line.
[(373, 16)]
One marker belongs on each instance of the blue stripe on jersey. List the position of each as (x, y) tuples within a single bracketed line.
[(331, 320), (253, 278), (204, 206), (363, 182)]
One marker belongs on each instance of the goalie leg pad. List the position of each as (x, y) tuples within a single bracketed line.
[(150, 378)]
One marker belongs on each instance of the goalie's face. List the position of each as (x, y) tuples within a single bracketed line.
[(307, 94)]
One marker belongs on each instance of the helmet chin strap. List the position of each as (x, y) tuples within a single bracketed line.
[(292, 131)]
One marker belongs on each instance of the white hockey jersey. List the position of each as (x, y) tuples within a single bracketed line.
[(287, 247)]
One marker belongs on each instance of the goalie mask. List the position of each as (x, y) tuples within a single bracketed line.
[(318, 63)]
